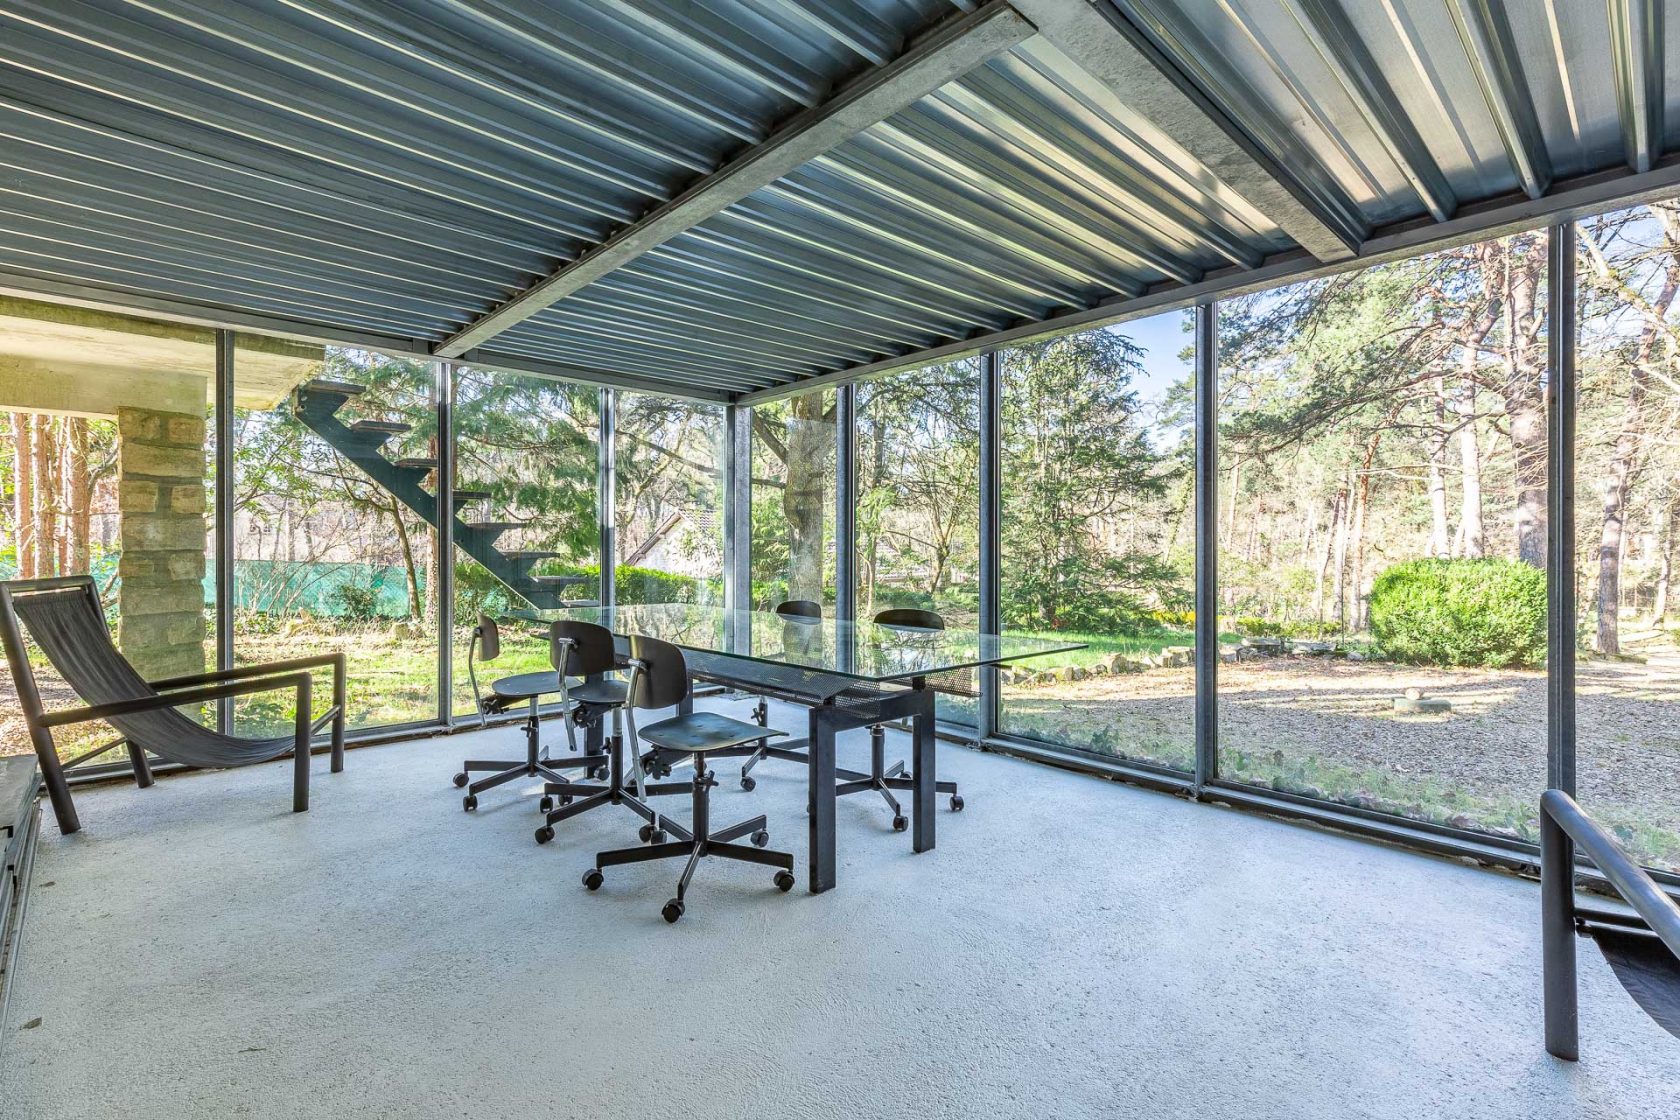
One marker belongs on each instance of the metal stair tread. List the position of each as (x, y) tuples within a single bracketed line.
[(395, 427), (340, 388), (416, 463)]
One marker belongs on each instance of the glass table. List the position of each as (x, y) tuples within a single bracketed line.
[(848, 674)]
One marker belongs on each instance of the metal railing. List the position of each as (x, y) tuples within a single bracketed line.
[(1564, 827)]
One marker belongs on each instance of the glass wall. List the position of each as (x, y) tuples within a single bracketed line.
[(918, 504), (107, 469), (1098, 536), (669, 497), (793, 501), (334, 544), (1627, 472), (527, 530), (1382, 537)]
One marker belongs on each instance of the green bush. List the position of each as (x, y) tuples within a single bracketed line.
[(357, 602), (1489, 613)]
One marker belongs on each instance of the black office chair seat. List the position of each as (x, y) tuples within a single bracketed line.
[(701, 732), (599, 692), (523, 686)]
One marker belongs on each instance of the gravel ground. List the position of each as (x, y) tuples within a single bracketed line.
[(1491, 746)]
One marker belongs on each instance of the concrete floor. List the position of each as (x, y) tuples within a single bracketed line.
[(1073, 948)]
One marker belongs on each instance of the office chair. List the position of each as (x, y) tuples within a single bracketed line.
[(881, 778), (659, 679), (528, 688), (584, 649), (794, 610)]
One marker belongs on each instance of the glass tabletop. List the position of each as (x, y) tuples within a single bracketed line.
[(863, 650)]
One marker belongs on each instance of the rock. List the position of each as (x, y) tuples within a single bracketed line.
[(1414, 693), (1116, 663), (1415, 706)]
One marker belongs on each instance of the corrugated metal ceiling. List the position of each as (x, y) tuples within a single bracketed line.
[(400, 170)]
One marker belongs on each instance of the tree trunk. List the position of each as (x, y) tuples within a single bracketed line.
[(41, 489), (79, 497), (1470, 471), (1665, 564), (1361, 507), (1618, 476), (810, 451), (1338, 605), (23, 494), (1440, 535), (416, 608), (1518, 269), (1331, 533)]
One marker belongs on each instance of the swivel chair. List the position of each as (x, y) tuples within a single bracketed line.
[(527, 688), (659, 679)]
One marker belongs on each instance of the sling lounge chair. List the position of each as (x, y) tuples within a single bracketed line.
[(66, 622)]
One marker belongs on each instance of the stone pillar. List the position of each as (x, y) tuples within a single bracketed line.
[(160, 491)]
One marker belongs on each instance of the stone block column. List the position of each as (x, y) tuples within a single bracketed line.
[(160, 491)]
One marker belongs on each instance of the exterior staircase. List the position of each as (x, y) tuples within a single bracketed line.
[(316, 405)]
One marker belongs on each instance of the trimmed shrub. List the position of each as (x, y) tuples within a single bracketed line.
[(1486, 613)]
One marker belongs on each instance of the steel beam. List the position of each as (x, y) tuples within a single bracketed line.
[(1107, 46), (606, 456), (1345, 54), (222, 543), (1636, 65), (1576, 198), (991, 518), (1486, 35), (737, 507), (443, 391), (947, 52), (845, 503), (1206, 494), (1561, 333)]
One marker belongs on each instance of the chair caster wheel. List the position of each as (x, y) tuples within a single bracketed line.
[(545, 834), (900, 823), (956, 803), (565, 799), (546, 805), (599, 774), (593, 878), (658, 836), (646, 833), (760, 838), (469, 802), (748, 782), (784, 881), (673, 910), (460, 779)]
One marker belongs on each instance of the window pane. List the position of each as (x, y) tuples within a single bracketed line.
[(669, 501), (1382, 536), (918, 504), (1099, 539), (793, 483), (333, 543), (529, 530), (107, 464), (1627, 472)]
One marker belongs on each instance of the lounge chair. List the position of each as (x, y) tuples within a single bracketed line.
[(66, 622)]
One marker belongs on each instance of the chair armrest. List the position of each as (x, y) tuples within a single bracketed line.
[(173, 699), (241, 672)]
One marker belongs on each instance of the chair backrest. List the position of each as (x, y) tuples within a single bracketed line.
[(665, 679), (489, 637), (67, 623), (799, 608), (586, 648), (910, 618)]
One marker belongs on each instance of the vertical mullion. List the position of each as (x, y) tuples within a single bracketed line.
[(443, 381), (991, 516), (1560, 505), (737, 507), (223, 530), (607, 483), (845, 505), (1207, 543)]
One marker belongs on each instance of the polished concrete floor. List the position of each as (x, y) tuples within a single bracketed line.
[(1073, 948)]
